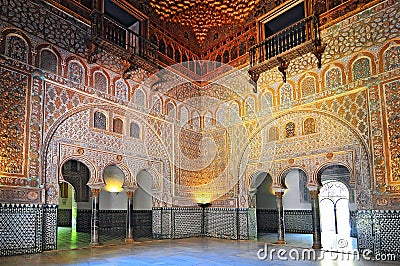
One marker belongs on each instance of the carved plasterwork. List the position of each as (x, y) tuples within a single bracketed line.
[(311, 152)]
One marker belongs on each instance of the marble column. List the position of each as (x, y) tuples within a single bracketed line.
[(281, 217), (95, 217), (316, 219), (129, 217)]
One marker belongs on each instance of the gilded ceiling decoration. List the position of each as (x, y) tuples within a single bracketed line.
[(202, 16)]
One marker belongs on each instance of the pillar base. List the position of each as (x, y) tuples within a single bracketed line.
[(280, 242), (95, 244), (316, 246), (129, 241)]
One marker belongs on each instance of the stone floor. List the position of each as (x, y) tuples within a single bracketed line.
[(192, 251)]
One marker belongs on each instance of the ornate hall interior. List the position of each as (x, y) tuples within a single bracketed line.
[(127, 122)]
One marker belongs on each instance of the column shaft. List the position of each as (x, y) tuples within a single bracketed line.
[(95, 218), (129, 218), (281, 218), (316, 219)]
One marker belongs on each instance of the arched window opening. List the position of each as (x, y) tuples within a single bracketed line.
[(309, 126), (75, 72), (118, 126), (16, 48), (121, 90), (100, 120), (290, 130), (333, 78), (361, 68), (48, 61), (134, 130), (100, 82), (307, 86)]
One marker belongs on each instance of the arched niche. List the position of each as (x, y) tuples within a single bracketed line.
[(113, 196), (296, 196), (265, 196), (142, 200)]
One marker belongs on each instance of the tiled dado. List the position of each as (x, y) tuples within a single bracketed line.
[(64, 217), (27, 228), (229, 223), (379, 231), (115, 220), (296, 221)]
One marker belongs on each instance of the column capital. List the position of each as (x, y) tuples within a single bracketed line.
[(279, 194), (130, 194), (95, 192), (95, 185), (314, 191), (314, 194), (279, 191)]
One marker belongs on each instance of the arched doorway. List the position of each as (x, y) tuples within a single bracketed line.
[(297, 208), (73, 206), (265, 203), (67, 210), (142, 205), (336, 200)]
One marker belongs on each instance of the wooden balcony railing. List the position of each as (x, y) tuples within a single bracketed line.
[(115, 38), (277, 50)]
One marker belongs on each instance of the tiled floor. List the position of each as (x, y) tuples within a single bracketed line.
[(68, 239), (189, 251)]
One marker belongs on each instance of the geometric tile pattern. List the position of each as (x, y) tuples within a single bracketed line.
[(364, 230), (379, 231), (244, 223), (20, 228), (218, 222), (296, 221), (267, 221), (386, 230), (166, 223), (112, 220), (156, 223), (353, 223), (353, 108), (49, 227), (187, 222), (64, 217), (221, 222), (142, 224), (252, 224), (83, 220)]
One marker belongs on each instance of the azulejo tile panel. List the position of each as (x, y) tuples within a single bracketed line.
[(49, 227), (21, 229)]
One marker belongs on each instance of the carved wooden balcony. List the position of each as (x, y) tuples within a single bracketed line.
[(112, 37), (279, 49)]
